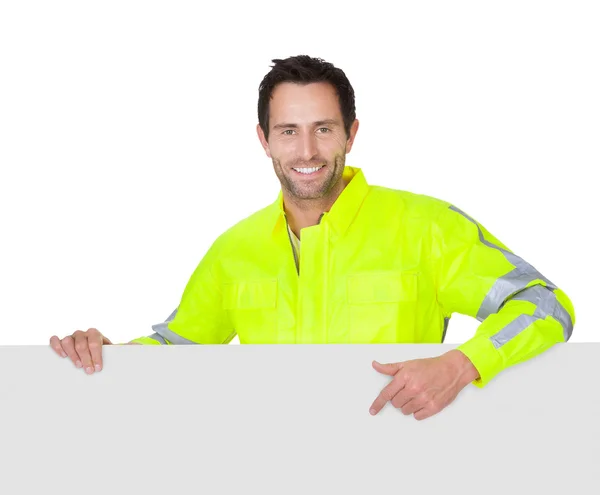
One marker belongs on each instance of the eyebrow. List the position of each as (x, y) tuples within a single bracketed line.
[(330, 122)]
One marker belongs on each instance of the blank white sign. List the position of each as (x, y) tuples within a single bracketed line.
[(290, 419)]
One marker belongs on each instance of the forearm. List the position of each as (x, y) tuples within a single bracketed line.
[(465, 370), (527, 325)]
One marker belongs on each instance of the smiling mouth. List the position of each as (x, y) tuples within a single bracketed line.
[(308, 171)]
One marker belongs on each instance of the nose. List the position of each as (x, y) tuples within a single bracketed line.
[(308, 146)]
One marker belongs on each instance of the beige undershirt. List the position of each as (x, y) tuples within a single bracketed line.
[(295, 242)]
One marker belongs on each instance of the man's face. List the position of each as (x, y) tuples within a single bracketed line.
[(307, 142)]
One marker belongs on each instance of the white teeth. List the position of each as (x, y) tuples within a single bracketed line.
[(308, 170)]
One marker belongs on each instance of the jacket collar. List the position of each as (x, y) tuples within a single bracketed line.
[(342, 212)]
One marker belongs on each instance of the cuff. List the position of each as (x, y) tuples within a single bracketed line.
[(485, 357)]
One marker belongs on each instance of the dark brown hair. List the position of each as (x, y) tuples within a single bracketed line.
[(303, 69)]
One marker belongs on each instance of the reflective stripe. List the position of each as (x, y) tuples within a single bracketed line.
[(172, 315), (546, 305), (157, 337), (165, 332), (562, 315), (511, 330), (507, 285)]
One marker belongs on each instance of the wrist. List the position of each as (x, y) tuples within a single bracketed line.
[(466, 370)]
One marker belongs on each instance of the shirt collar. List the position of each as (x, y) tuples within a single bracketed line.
[(342, 212)]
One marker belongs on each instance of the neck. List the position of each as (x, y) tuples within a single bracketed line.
[(303, 213)]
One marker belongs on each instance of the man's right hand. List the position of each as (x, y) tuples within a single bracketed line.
[(84, 348)]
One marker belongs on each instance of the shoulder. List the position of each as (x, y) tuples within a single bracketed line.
[(246, 229), (411, 203), (439, 219)]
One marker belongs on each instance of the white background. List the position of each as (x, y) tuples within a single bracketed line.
[(128, 143)]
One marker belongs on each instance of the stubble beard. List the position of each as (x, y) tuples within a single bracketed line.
[(307, 190)]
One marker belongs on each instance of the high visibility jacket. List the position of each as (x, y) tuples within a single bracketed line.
[(382, 266)]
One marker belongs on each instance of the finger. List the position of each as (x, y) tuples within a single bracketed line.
[(423, 413), (68, 344), (388, 368), (403, 397), (386, 394), (83, 351), (95, 340), (412, 405), (55, 344), (430, 408)]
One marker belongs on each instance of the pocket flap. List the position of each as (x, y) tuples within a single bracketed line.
[(383, 287)]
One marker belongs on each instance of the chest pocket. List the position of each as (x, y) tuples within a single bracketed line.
[(252, 308), (382, 306)]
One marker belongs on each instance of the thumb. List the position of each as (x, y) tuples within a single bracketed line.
[(387, 368)]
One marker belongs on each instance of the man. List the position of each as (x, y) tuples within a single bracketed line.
[(335, 260)]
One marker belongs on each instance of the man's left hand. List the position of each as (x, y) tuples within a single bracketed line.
[(424, 387)]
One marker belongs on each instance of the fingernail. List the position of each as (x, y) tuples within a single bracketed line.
[(98, 367), (89, 369), (63, 354), (372, 411), (78, 364)]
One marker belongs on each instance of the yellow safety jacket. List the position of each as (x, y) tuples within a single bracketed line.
[(382, 266)]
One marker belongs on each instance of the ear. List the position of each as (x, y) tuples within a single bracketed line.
[(263, 141), (353, 131)]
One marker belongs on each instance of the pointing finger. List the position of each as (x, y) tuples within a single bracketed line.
[(387, 394)]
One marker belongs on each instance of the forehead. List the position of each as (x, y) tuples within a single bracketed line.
[(299, 102)]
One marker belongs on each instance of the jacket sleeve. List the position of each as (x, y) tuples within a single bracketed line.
[(522, 313), (200, 317)]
